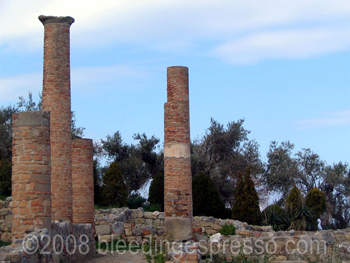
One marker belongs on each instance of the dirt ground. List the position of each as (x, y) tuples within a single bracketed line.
[(128, 257)]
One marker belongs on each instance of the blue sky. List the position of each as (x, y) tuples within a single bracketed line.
[(281, 65)]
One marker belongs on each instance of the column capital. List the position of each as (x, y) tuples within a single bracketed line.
[(56, 19)]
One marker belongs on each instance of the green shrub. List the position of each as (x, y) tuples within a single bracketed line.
[(5, 176), (206, 199), (302, 218), (113, 190), (275, 216), (135, 201), (294, 200), (4, 244), (152, 207), (156, 191), (316, 201), (246, 205), (227, 230)]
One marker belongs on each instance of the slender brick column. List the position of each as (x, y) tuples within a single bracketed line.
[(57, 100), (31, 178), (177, 158), (83, 181)]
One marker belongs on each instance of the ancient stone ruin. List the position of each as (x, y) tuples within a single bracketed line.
[(177, 157), (49, 170), (53, 216)]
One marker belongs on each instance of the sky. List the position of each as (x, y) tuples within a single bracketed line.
[(282, 66)]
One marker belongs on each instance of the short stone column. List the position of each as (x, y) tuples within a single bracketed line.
[(177, 158), (31, 172), (57, 100), (83, 181)]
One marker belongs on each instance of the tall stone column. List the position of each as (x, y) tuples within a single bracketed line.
[(177, 158), (57, 100), (31, 172), (83, 181)]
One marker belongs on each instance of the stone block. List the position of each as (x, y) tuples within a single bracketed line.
[(149, 215), (216, 227), (210, 231), (139, 220), (103, 230), (4, 212), (6, 237), (180, 228), (104, 238), (205, 224), (140, 213), (128, 231), (118, 227), (148, 221)]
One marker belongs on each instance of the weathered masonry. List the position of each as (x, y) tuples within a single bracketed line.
[(177, 159), (31, 172), (57, 100)]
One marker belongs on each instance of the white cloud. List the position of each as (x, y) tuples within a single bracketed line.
[(290, 43), (82, 79), (240, 31), (13, 87), (331, 119)]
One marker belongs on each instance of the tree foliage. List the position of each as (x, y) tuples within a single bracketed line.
[(294, 200), (246, 205), (222, 152), (206, 199), (137, 163), (113, 190), (156, 190), (306, 170), (5, 176)]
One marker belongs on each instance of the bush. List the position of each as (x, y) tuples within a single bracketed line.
[(227, 230), (156, 191), (152, 207), (113, 190), (246, 205), (206, 199), (294, 200), (316, 201), (302, 218), (275, 216), (135, 201), (5, 177)]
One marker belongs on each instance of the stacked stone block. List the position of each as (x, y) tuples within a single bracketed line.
[(177, 159), (31, 172), (83, 181), (57, 100)]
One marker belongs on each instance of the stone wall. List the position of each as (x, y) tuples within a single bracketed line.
[(137, 226), (256, 241), (66, 243), (6, 220)]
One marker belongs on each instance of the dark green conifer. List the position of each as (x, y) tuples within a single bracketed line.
[(246, 206), (206, 198), (316, 201), (294, 200), (113, 190), (156, 190)]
